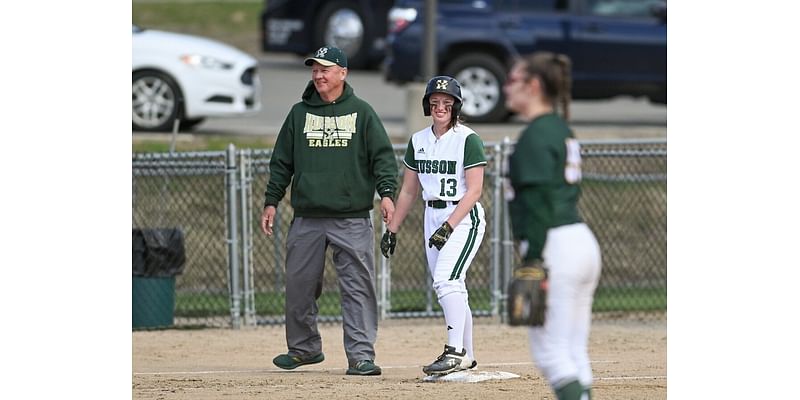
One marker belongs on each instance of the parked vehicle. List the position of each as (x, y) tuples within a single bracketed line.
[(178, 76), (617, 47), (302, 26)]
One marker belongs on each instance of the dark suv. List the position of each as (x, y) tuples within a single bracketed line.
[(302, 26), (617, 47)]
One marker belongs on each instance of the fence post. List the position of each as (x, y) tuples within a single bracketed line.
[(508, 240), (246, 194), (497, 214), (233, 245)]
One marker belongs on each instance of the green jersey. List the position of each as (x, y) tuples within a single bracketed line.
[(544, 173)]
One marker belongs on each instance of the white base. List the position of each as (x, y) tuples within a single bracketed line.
[(470, 376)]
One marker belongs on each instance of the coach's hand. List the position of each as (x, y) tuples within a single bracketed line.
[(267, 219), (388, 242), (439, 238)]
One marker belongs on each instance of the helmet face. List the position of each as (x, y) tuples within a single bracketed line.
[(442, 84)]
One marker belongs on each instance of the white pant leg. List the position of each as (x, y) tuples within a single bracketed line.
[(449, 266), (559, 348)]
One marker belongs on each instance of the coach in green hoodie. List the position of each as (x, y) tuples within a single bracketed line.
[(334, 150)]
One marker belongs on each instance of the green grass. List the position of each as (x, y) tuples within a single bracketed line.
[(272, 303), (230, 21), (191, 142), (630, 299)]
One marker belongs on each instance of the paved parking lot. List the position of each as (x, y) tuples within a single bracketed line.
[(284, 77)]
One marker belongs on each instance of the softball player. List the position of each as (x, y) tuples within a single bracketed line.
[(447, 161), (544, 173)]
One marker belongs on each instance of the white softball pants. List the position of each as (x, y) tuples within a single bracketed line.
[(559, 348), (449, 265)]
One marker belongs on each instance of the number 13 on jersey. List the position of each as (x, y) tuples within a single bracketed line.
[(450, 184)]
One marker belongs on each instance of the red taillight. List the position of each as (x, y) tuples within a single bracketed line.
[(398, 25), (400, 18)]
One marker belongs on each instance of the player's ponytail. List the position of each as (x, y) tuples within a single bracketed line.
[(553, 71), (566, 83)]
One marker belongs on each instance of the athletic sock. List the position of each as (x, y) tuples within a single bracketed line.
[(570, 391), (454, 308), (468, 332)]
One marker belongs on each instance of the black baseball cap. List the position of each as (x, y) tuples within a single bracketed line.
[(328, 56)]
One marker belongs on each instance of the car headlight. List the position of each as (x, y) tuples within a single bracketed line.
[(195, 60)]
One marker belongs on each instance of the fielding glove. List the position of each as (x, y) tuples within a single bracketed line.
[(439, 238), (527, 295), (388, 241)]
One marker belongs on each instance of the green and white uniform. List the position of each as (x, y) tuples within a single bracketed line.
[(544, 174), (440, 165)]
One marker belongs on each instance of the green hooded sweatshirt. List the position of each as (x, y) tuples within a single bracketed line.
[(336, 156)]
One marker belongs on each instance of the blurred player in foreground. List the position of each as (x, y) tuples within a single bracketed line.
[(545, 172)]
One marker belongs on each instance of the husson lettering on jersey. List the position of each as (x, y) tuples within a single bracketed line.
[(436, 167)]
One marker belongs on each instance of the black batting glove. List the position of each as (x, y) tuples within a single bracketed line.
[(439, 238), (388, 241)]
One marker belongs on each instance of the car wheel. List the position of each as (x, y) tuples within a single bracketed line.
[(155, 101), (188, 124), (659, 98), (481, 79), (341, 24)]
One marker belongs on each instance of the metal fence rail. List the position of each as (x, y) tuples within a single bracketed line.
[(234, 275)]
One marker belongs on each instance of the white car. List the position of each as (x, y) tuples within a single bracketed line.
[(185, 77)]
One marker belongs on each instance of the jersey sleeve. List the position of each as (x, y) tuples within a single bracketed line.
[(409, 160), (534, 162), (537, 220), (473, 152)]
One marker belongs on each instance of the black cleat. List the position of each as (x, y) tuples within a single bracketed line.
[(450, 361)]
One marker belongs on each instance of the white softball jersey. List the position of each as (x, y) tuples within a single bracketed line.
[(440, 165)]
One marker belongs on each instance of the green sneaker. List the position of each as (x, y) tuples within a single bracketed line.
[(286, 361), (364, 367)]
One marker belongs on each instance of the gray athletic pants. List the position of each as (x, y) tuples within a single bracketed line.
[(352, 241)]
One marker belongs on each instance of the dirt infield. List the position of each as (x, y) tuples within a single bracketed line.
[(629, 361)]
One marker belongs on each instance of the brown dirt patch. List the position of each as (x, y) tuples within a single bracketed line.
[(629, 361)]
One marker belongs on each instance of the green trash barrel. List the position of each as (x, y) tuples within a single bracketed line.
[(158, 256), (153, 302)]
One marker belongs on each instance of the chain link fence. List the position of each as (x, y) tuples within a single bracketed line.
[(233, 274)]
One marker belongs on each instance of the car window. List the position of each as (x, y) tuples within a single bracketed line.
[(622, 8)]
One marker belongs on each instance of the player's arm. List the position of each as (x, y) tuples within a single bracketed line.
[(405, 199), (531, 178), (536, 220), (408, 191)]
